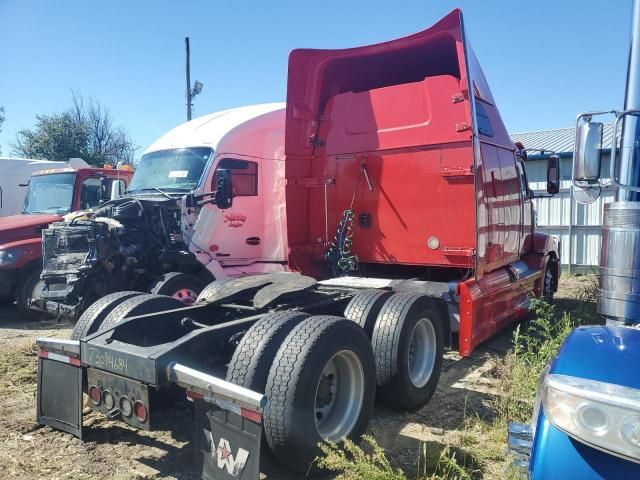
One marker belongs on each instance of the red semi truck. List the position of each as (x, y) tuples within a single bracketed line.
[(409, 229), (51, 193)]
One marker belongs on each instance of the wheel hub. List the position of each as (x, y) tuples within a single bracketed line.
[(339, 396), (422, 353), (325, 390), (185, 295)]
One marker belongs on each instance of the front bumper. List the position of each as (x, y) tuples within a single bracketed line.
[(520, 442), (57, 309)]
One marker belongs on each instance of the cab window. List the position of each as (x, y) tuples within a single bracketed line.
[(244, 176), (522, 177), (90, 193), (484, 123)]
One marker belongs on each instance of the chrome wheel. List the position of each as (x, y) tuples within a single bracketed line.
[(185, 295), (422, 353), (339, 396)]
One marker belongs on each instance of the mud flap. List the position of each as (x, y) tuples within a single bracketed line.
[(59, 397), (227, 443)]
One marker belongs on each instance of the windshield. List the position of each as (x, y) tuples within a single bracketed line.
[(168, 170), (50, 193)]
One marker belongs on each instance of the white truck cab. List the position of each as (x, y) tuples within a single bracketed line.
[(249, 237)]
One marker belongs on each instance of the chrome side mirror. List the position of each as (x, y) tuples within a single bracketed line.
[(553, 175), (116, 189), (587, 156)]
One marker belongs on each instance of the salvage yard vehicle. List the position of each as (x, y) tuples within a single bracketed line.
[(51, 193), (145, 240), (15, 175), (587, 416), (434, 247)]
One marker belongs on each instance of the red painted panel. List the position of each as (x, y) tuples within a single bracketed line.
[(489, 304), (398, 116), (411, 201)]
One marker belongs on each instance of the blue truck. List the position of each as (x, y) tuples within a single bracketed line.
[(587, 416)]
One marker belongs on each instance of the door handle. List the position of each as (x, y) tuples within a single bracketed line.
[(253, 241)]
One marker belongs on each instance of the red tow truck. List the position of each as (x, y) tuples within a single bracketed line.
[(409, 229), (51, 194)]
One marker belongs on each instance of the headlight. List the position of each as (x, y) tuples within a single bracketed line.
[(603, 415), (9, 257)]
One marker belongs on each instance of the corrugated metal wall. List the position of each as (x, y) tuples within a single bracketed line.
[(577, 226)]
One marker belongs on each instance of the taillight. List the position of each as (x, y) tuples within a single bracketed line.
[(140, 411), (125, 406), (94, 395), (108, 400)]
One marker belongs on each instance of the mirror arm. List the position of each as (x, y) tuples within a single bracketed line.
[(200, 203), (614, 161)]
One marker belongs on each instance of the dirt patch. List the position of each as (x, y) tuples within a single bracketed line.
[(114, 450)]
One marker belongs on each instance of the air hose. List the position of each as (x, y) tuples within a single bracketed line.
[(339, 252)]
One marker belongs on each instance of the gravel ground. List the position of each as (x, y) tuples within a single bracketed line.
[(114, 450)]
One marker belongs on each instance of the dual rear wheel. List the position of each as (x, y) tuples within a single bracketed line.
[(319, 376), (321, 373)]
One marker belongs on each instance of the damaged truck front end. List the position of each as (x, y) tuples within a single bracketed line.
[(127, 244), (70, 253)]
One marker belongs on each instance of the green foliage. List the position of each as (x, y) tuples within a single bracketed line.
[(523, 366), (85, 130), (351, 462), (55, 137)]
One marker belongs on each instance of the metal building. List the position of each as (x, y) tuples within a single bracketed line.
[(578, 226)]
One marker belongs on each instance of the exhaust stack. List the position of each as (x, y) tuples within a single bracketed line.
[(619, 300)]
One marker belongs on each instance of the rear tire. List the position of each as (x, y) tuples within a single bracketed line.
[(321, 387), (547, 282), (365, 306), (93, 317), (181, 286), (408, 343), (140, 305), (211, 290), (30, 287), (253, 357)]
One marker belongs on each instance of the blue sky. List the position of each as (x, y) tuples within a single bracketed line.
[(545, 60)]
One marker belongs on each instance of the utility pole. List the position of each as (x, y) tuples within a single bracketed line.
[(188, 68), (197, 86)]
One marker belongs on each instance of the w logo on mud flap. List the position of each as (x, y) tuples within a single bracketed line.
[(226, 459)]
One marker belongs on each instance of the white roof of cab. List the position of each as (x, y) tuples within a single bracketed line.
[(208, 130), (17, 166)]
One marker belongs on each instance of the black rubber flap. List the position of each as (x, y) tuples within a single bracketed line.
[(228, 445), (60, 396)]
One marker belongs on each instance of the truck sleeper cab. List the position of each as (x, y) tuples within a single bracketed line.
[(364, 315)]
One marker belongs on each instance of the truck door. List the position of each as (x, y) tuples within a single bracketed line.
[(511, 204), (527, 208), (233, 236)]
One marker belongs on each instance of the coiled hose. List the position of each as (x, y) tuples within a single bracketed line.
[(339, 252)]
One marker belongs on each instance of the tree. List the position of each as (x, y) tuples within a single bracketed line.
[(86, 130)]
